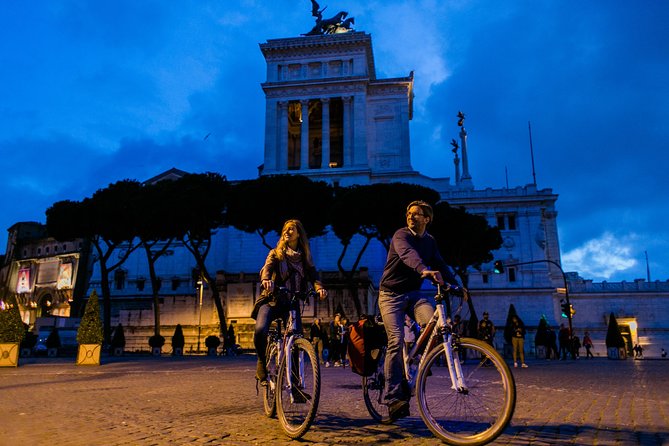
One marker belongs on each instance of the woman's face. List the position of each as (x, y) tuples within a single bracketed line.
[(290, 234)]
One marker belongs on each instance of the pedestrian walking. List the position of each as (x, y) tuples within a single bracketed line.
[(316, 336), (518, 341), (587, 343), (487, 329)]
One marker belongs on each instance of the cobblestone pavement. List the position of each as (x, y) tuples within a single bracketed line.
[(200, 400)]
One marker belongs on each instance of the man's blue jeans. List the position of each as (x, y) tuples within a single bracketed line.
[(393, 308)]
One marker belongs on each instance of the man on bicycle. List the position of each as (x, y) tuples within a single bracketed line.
[(413, 256)]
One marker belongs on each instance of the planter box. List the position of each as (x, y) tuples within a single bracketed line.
[(52, 352), (156, 351), (25, 352), (89, 354), (9, 355), (118, 351), (178, 351), (211, 351)]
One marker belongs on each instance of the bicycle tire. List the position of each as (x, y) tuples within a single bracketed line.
[(296, 416), (373, 392), (476, 415), (269, 393)]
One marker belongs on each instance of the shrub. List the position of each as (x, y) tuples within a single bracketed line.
[(613, 337), (53, 340), (90, 328), (212, 341), (11, 325), (118, 340), (178, 340), (157, 341)]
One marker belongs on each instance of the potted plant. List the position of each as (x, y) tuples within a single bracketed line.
[(89, 334), (53, 343), (11, 332), (118, 341), (178, 341), (212, 342), (615, 343), (156, 342)]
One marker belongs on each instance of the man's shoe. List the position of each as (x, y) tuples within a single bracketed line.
[(398, 409), (524, 365)]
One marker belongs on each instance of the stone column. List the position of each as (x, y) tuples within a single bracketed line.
[(466, 178), (283, 136), (325, 134), (348, 131), (304, 141)]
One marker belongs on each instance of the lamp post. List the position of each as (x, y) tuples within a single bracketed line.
[(499, 268), (200, 285)]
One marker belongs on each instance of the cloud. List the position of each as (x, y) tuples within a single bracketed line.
[(603, 257)]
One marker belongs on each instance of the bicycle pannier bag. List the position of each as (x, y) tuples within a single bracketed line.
[(366, 338)]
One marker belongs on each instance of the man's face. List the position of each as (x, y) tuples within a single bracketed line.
[(416, 220)]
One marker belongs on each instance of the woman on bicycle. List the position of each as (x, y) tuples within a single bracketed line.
[(288, 265)]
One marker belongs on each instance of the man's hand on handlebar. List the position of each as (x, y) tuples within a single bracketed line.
[(322, 293), (432, 276)]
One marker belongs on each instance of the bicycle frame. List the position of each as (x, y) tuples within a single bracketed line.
[(439, 324)]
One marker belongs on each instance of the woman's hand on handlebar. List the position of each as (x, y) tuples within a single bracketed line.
[(322, 293), (268, 285)]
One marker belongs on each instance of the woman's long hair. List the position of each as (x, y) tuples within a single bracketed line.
[(302, 242)]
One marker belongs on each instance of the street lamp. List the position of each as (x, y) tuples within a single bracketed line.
[(498, 268), (200, 285)]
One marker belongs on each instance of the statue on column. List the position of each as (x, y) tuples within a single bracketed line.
[(334, 25)]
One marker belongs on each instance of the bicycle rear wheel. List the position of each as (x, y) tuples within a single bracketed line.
[(476, 414), (296, 407), (269, 394), (373, 391)]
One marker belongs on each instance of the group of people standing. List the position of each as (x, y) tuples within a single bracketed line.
[(330, 342)]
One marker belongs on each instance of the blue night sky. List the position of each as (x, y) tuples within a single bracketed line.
[(95, 92)]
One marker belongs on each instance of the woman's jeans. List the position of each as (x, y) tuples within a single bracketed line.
[(266, 315), (393, 308)]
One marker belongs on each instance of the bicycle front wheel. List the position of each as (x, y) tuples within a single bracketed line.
[(478, 412), (297, 404), (373, 391), (269, 394)]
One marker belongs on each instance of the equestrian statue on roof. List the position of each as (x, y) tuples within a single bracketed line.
[(334, 25)]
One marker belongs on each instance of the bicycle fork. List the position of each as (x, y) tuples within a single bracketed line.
[(452, 358)]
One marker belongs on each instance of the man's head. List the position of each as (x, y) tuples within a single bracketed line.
[(419, 215), (485, 315)]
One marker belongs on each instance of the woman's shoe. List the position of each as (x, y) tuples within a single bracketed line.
[(261, 373)]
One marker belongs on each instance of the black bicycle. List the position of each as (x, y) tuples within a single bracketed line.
[(466, 393)]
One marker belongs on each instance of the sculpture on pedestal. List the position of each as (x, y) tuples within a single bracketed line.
[(334, 25)]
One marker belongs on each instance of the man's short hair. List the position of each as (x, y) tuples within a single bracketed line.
[(427, 209)]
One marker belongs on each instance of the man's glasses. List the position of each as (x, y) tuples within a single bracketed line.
[(412, 214)]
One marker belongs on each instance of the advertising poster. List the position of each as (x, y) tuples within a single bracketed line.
[(23, 281), (239, 300), (64, 276)]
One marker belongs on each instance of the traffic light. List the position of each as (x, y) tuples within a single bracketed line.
[(498, 267), (567, 309)]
